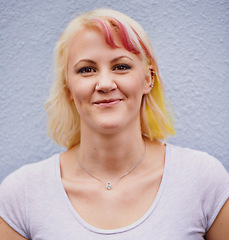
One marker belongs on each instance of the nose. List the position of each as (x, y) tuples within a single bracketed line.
[(105, 82)]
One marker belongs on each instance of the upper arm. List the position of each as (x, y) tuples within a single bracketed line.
[(219, 229), (13, 198), (8, 233)]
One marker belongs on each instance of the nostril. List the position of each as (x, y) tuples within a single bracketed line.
[(105, 86)]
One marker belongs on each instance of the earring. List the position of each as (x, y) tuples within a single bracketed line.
[(152, 76), (152, 72)]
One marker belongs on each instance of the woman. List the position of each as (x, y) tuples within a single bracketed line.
[(116, 180)]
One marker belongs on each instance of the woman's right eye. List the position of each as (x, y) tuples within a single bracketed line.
[(86, 70)]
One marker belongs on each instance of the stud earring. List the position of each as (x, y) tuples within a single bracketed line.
[(152, 76), (152, 72)]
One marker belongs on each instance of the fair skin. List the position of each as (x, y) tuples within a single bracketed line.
[(107, 86)]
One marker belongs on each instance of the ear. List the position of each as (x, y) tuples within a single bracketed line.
[(149, 80), (69, 94)]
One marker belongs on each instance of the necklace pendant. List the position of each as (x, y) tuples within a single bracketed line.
[(108, 186)]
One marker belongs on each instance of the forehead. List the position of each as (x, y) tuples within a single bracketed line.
[(90, 42), (87, 37)]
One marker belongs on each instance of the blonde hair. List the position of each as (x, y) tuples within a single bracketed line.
[(63, 120)]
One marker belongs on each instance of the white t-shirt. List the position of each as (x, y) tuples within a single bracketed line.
[(193, 189)]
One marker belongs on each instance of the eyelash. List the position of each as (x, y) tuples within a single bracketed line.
[(88, 70), (85, 70), (122, 67)]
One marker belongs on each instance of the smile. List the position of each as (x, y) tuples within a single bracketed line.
[(107, 102)]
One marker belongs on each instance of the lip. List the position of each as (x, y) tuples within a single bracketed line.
[(107, 102)]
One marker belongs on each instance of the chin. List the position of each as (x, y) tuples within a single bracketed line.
[(110, 127)]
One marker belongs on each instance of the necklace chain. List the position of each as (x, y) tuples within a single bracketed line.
[(108, 183)]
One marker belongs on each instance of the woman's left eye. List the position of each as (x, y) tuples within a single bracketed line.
[(121, 67)]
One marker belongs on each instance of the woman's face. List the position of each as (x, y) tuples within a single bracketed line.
[(106, 84)]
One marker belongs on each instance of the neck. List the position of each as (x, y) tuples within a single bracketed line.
[(110, 155)]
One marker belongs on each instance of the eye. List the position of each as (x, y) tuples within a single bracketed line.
[(86, 70), (121, 67)]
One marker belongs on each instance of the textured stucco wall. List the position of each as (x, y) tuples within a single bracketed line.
[(190, 39)]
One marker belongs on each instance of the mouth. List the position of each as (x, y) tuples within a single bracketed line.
[(107, 102)]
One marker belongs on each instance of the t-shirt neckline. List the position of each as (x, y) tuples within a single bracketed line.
[(118, 230)]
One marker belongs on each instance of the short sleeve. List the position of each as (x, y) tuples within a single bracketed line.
[(13, 201), (213, 189)]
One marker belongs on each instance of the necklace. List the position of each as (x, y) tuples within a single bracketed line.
[(108, 183)]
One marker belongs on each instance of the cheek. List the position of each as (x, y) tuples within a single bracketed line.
[(134, 85), (79, 89), (79, 95)]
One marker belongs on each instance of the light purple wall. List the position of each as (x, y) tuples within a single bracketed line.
[(190, 38)]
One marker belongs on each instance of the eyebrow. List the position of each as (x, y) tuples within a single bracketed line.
[(84, 60), (93, 62), (120, 57)]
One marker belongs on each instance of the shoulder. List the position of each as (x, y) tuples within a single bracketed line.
[(198, 167), (206, 175), (198, 159), (22, 187), (186, 153), (28, 173)]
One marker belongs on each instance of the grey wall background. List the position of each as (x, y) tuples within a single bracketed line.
[(191, 42)]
